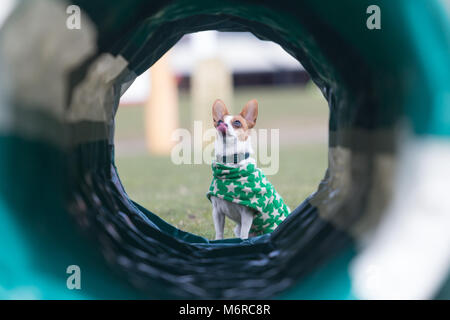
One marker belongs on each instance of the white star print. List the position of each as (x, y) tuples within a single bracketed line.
[(247, 190), (243, 180), (265, 216), (257, 193), (278, 212), (231, 187)]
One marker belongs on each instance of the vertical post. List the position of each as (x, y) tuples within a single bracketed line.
[(161, 109), (210, 80)]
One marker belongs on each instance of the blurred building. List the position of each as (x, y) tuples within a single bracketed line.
[(253, 62)]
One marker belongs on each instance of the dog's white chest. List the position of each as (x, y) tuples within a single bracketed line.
[(230, 209)]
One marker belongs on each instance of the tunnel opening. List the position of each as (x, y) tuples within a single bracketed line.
[(289, 142)]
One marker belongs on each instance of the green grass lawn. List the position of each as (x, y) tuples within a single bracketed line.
[(177, 192)]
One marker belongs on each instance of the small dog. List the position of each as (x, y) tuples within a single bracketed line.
[(239, 190)]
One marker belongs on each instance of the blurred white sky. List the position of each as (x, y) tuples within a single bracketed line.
[(241, 52), (6, 7)]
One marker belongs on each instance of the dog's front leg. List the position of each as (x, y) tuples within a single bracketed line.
[(219, 223), (246, 222)]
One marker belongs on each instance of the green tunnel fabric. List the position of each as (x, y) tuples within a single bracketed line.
[(61, 199)]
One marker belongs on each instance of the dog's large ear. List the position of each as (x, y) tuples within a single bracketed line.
[(219, 111), (250, 113)]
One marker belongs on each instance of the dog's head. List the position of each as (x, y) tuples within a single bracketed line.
[(237, 126)]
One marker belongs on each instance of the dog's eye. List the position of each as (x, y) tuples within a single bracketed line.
[(237, 124)]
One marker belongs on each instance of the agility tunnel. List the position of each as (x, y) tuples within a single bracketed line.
[(377, 226)]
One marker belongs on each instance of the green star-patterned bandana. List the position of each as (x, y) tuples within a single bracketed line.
[(247, 185)]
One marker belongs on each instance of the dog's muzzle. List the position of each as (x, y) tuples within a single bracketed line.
[(222, 127)]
